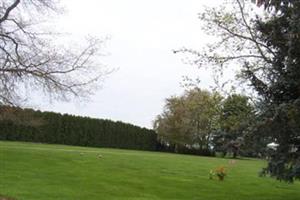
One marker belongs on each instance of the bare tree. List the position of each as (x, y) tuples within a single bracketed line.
[(32, 60)]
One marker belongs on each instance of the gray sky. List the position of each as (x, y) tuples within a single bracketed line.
[(142, 37)]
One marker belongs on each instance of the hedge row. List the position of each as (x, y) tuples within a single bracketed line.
[(48, 127)]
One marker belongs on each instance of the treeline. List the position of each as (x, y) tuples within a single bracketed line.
[(206, 123), (18, 124)]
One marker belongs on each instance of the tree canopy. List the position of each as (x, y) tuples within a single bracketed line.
[(208, 122), (236, 117), (189, 120)]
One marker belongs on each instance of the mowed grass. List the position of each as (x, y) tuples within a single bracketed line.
[(47, 172)]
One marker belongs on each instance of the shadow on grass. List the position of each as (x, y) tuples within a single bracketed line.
[(238, 158)]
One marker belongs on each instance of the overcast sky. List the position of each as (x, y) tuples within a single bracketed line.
[(142, 36)]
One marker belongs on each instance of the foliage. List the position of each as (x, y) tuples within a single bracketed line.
[(220, 172), (189, 120), (281, 111), (265, 49), (73, 130), (237, 115), (206, 121)]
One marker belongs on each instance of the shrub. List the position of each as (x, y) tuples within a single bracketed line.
[(220, 172)]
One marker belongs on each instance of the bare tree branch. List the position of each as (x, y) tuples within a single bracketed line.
[(29, 60), (8, 10), (237, 46)]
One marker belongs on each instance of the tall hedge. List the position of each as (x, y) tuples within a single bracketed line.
[(67, 129)]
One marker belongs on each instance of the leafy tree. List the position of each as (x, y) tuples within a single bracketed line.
[(281, 111), (236, 117), (169, 125), (189, 120), (266, 50)]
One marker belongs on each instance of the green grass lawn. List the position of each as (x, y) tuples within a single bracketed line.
[(43, 172)]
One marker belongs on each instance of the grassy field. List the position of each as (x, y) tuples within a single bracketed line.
[(43, 172)]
